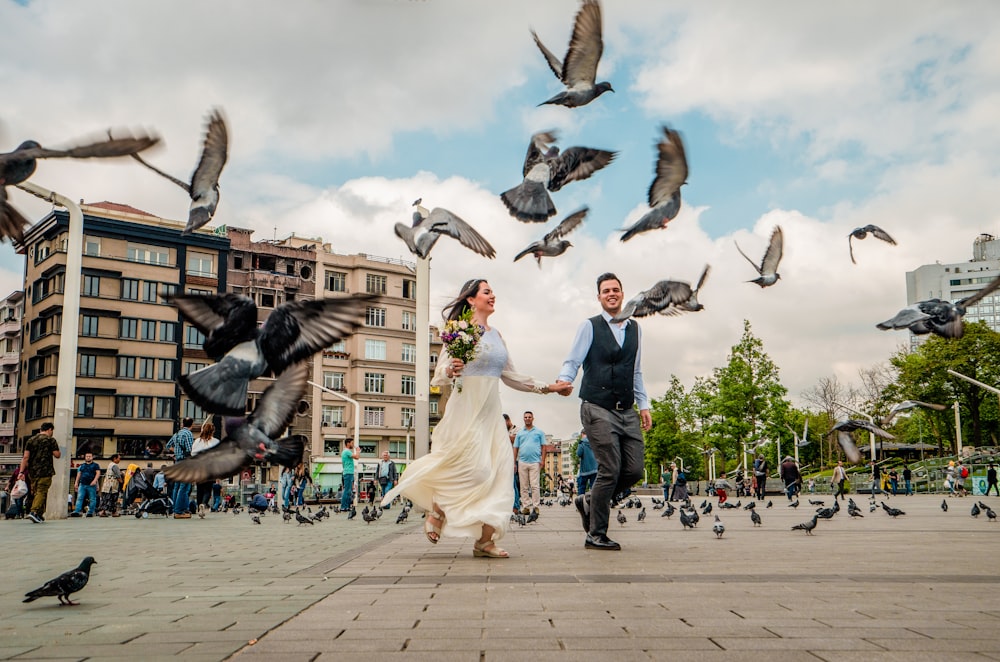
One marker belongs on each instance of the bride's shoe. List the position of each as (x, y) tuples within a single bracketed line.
[(432, 531), (489, 550)]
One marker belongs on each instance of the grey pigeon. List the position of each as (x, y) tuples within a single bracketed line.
[(621, 518), (845, 427), (769, 504), (990, 514), (664, 195), (816, 502), (667, 297), (17, 166), (755, 518), (294, 331), (768, 268), (861, 233), (892, 512), (253, 440), (255, 519), (807, 526), (686, 519), (546, 169), (975, 510), (554, 244), (302, 519), (286, 516), (944, 505), (204, 186), (942, 318), (430, 225), (909, 404), (718, 528), (794, 504), (826, 513), (707, 509), (65, 584), (578, 69), (668, 511)]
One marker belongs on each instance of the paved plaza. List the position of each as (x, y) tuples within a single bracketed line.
[(924, 586)]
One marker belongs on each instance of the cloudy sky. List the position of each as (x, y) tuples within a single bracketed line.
[(816, 117)]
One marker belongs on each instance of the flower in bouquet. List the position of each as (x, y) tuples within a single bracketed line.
[(461, 340)]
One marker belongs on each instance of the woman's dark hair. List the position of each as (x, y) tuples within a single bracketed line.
[(457, 306)]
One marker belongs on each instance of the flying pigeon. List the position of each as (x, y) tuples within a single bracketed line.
[(768, 268), (755, 518), (807, 526), (664, 195), (204, 186), (65, 584), (294, 331), (546, 169), (718, 528), (861, 233), (253, 439), (429, 226), (844, 429), (909, 404), (942, 318), (17, 166), (667, 297), (554, 244), (579, 69)]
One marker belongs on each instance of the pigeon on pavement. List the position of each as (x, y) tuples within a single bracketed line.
[(718, 528), (768, 268), (975, 510), (546, 169), (942, 318), (944, 505), (553, 244), (664, 195), (578, 70), (667, 297), (755, 518), (65, 584), (294, 331), (17, 166), (621, 518), (429, 226), (861, 233), (302, 519), (807, 526), (204, 186)]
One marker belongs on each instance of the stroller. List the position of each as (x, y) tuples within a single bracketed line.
[(153, 502)]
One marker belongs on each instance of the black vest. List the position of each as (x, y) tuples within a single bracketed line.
[(609, 370)]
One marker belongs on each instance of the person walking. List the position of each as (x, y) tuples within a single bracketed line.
[(894, 481), (87, 476), (792, 477), (111, 487), (588, 465), (991, 479), (181, 444), (949, 478), (285, 480), (612, 387), (216, 495), (347, 458), (39, 451), (876, 478), (961, 473), (512, 433), (839, 479), (907, 480), (388, 474), (206, 439), (665, 482), (466, 482), (760, 470), (529, 454)]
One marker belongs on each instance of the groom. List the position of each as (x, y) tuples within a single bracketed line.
[(612, 384)]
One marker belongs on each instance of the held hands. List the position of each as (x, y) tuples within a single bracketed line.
[(562, 388)]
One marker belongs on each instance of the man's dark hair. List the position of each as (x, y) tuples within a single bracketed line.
[(116, 455), (349, 440), (47, 426), (187, 422), (607, 276), (529, 412)]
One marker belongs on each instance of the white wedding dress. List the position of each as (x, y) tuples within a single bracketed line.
[(469, 472)]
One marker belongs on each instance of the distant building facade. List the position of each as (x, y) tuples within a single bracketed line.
[(11, 319)]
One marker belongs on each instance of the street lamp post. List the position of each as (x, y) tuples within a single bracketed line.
[(357, 421)]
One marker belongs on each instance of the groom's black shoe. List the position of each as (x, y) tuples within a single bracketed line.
[(582, 504), (602, 542)]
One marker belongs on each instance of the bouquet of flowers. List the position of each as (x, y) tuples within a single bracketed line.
[(461, 339)]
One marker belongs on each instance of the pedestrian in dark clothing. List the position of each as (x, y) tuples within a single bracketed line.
[(760, 476), (991, 479), (893, 481), (39, 452), (907, 480), (789, 472)]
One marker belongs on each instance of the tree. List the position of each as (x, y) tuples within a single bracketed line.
[(673, 433)]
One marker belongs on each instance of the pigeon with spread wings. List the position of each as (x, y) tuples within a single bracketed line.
[(429, 226), (254, 438), (942, 318), (546, 169), (668, 297), (554, 244), (578, 70), (665, 192), (294, 331), (204, 186), (17, 166), (768, 268), (846, 427), (909, 404), (861, 233)]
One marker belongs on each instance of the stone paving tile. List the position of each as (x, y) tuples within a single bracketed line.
[(897, 656)]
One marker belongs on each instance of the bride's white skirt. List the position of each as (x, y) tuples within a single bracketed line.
[(469, 472)]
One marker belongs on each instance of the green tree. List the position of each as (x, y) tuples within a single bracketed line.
[(673, 433)]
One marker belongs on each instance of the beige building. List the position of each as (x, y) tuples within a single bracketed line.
[(11, 317), (131, 343)]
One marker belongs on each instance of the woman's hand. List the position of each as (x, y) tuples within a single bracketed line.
[(455, 369)]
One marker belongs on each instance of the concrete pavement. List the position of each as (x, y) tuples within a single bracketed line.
[(920, 587)]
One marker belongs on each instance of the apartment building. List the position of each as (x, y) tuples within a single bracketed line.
[(11, 316), (131, 343)]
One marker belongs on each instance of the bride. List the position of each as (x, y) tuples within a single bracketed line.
[(466, 482)]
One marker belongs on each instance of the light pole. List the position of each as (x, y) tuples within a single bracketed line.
[(66, 378), (357, 421), (958, 429), (871, 435)]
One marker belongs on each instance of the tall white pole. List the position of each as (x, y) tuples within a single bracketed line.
[(958, 430), (357, 425), (422, 444)]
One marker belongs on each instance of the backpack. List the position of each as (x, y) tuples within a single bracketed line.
[(965, 472), (681, 479)]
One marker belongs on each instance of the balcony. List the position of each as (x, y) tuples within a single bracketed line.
[(10, 328), (8, 393), (10, 358), (7, 429)]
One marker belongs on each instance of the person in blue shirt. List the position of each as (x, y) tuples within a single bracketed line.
[(347, 458), (181, 444), (588, 465), (87, 476), (529, 454)]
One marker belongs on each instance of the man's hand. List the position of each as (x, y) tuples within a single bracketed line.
[(562, 387), (646, 421)]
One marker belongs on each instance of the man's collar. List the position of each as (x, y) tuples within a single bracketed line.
[(608, 317)]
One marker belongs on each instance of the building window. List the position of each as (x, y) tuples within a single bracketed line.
[(168, 331), (168, 289), (433, 408), (409, 289), (126, 367), (333, 380), (375, 317), (191, 410), (336, 281), (331, 447), (397, 449), (201, 264), (165, 408), (166, 372), (409, 321), (147, 254), (193, 338), (339, 347), (409, 385), (374, 382), (266, 299), (148, 329), (367, 449), (408, 416), (333, 416), (375, 350), (191, 366), (149, 291), (144, 406), (124, 405), (91, 286), (88, 326), (130, 289), (375, 284), (147, 368), (85, 406), (409, 353), (128, 327), (88, 365), (374, 416), (92, 246)]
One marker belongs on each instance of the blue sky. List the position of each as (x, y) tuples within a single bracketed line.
[(820, 118)]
